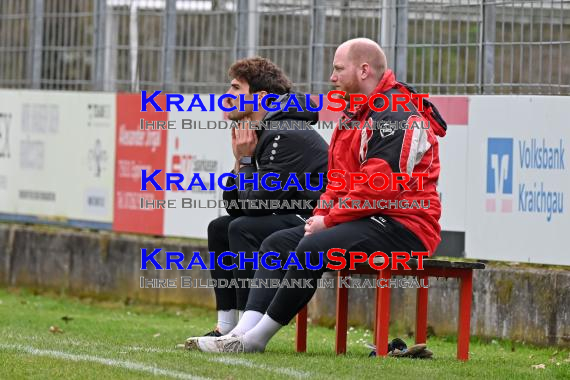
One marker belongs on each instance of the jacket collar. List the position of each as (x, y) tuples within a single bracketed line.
[(387, 82)]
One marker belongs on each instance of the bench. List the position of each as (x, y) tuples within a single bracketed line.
[(432, 268)]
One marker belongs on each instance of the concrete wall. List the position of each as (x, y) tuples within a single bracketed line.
[(525, 304)]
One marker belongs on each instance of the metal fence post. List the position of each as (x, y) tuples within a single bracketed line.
[(133, 47), (99, 51), (241, 31), (253, 28), (111, 36), (247, 29), (168, 45), (401, 40), (36, 43), (487, 55), (316, 44), (394, 35), (388, 31)]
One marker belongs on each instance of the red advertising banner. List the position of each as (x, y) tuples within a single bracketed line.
[(453, 109), (136, 150)]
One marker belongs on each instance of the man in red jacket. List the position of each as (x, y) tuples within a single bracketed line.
[(359, 68)]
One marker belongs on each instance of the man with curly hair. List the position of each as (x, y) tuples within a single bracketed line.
[(277, 150)]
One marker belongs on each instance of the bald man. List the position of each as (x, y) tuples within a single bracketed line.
[(359, 67)]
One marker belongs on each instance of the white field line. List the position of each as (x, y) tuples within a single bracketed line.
[(235, 362), (224, 360), (105, 361)]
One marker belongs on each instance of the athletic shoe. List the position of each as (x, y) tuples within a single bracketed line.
[(215, 333), (192, 342), (225, 344)]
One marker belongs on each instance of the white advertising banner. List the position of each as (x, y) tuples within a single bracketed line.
[(453, 178), (10, 114), (198, 144), (517, 179), (60, 160), (90, 119)]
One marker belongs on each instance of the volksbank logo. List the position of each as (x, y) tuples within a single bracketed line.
[(499, 174), (540, 163)]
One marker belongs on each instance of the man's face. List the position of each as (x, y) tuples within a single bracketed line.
[(345, 74), (238, 87)]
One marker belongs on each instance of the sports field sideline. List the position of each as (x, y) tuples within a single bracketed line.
[(114, 341)]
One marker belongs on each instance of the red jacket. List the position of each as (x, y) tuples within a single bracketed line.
[(389, 151)]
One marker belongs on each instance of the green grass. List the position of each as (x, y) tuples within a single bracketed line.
[(103, 339)]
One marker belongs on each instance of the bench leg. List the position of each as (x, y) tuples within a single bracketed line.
[(301, 331), (375, 316), (383, 313), (341, 315), (463, 333), (421, 312)]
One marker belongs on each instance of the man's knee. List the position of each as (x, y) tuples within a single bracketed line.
[(311, 246), (219, 226), (281, 242), (241, 225), (270, 243), (308, 244)]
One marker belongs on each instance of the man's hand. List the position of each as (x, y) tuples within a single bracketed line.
[(315, 224), (244, 139), (234, 145)]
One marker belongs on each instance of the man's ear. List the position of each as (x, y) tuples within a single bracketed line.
[(365, 68), (261, 95)]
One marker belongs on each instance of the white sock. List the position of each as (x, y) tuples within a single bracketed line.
[(240, 314), (257, 338), (227, 320), (247, 322)]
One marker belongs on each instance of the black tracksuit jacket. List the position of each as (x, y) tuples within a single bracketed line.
[(284, 151)]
